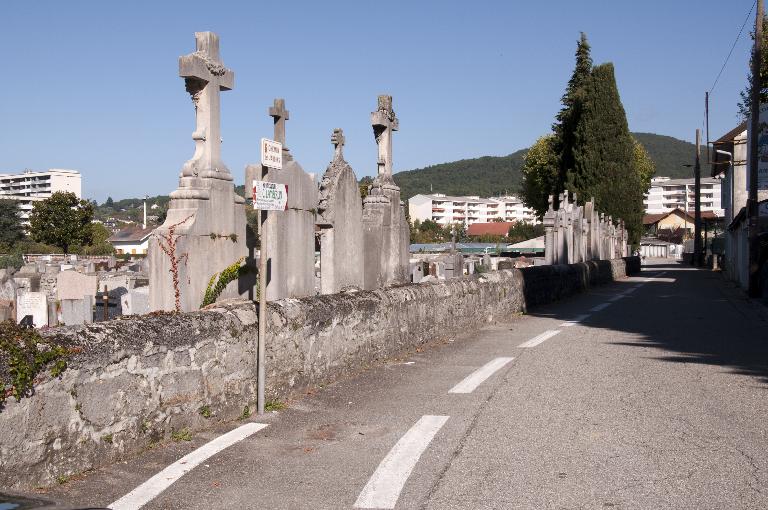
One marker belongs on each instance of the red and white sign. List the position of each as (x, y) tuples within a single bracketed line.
[(271, 154)]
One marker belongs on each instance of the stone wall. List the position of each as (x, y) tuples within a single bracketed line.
[(135, 381)]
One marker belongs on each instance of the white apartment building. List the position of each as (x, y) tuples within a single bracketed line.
[(31, 186), (467, 210), (667, 194)]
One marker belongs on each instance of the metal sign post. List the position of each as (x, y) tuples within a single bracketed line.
[(267, 197)]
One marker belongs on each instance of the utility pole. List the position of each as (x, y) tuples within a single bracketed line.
[(697, 259), (752, 211)]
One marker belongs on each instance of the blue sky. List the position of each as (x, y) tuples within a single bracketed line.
[(94, 86)]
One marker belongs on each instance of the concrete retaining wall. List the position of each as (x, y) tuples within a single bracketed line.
[(137, 380)]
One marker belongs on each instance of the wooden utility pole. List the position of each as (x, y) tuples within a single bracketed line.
[(697, 258), (752, 211)]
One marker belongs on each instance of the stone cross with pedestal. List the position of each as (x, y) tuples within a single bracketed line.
[(339, 218), (386, 231), (290, 234), (204, 231)]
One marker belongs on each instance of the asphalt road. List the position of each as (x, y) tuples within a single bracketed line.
[(658, 398)]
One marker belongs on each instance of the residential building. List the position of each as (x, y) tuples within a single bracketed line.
[(131, 240), (32, 186), (446, 210), (668, 194)]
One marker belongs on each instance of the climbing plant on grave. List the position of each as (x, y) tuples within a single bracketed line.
[(216, 287)]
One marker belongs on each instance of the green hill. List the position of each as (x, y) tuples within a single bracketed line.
[(496, 175)]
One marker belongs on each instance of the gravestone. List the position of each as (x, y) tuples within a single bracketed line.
[(74, 285), (339, 218), (385, 229), (417, 272), (204, 230), (290, 245), (34, 304), (136, 301), (77, 311)]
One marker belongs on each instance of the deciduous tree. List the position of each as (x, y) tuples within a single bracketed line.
[(62, 220)]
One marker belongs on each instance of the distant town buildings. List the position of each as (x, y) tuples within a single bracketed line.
[(31, 186), (667, 194), (133, 240), (446, 210)]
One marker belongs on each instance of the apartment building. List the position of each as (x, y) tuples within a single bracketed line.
[(31, 186), (446, 210), (668, 194)]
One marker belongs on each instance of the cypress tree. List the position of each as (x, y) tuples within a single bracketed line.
[(568, 117), (603, 153)]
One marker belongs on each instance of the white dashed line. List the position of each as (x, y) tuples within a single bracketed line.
[(147, 491), (578, 319), (601, 306), (533, 342), (384, 487), (630, 290), (477, 377), (616, 297)]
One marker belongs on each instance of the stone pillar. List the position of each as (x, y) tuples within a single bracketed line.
[(549, 234)]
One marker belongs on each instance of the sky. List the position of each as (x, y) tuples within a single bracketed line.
[(94, 85)]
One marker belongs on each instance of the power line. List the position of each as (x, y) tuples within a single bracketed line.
[(741, 30)]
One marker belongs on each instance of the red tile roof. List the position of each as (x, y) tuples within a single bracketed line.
[(497, 228)]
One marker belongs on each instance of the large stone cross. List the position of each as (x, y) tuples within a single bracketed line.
[(338, 140), (279, 114), (384, 123), (205, 77)]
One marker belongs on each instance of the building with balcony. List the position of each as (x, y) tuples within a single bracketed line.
[(32, 186), (467, 210), (667, 194)]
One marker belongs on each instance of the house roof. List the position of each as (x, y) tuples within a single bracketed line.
[(534, 245), (496, 228), (730, 135), (134, 234), (650, 219)]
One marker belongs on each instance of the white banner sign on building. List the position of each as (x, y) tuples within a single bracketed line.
[(270, 196), (271, 154)]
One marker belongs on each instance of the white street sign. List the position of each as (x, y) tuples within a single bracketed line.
[(270, 196), (271, 154)]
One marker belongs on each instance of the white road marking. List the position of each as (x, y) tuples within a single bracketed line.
[(616, 297), (533, 342), (574, 321), (631, 290), (477, 377), (384, 487), (601, 306), (147, 491)]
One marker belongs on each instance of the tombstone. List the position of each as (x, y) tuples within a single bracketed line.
[(34, 304), (74, 285), (505, 263), (417, 272), (487, 263), (204, 230), (77, 311), (290, 246), (136, 301), (7, 310), (454, 265), (90, 268), (386, 231), (339, 217)]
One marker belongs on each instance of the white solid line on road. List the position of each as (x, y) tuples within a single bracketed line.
[(617, 297), (574, 321), (148, 490), (533, 342), (601, 306), (477, 377), (631, 290), (384, 487)]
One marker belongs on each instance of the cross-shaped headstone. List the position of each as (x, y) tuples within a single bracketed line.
[(279, 114), (205, 77), (337, 139), (384, 123)]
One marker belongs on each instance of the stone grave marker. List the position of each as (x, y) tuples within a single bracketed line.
[(34, 304), (136, 301), (74, 285)]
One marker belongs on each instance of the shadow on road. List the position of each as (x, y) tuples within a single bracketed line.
[(693, 316)]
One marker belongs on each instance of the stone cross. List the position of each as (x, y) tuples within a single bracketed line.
[(337, 139), (205, 77), (280, 115), (384, 122)]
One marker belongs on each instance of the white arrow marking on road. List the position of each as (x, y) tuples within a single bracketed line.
[(147, 491), (384, 487), (576, 320), (533, 342), (601, 306), (477, 377)]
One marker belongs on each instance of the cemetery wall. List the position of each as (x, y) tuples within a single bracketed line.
[(135, 381)]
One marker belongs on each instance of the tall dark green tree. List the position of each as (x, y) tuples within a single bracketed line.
[(568, 117), (11, 230), (62, 220), (745, 104), (603, 154)]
